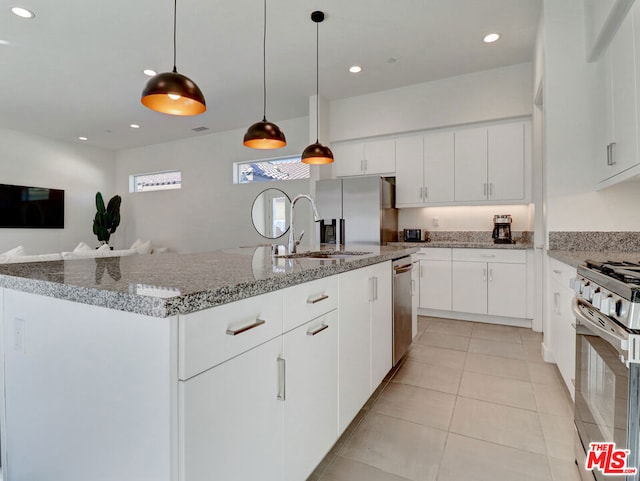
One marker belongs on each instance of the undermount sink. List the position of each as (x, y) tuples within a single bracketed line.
[(325, 255)]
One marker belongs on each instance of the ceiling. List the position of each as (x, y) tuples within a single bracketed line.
[(76, 68)]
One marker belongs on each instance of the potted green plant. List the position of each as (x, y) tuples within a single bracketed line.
[(107, 219)]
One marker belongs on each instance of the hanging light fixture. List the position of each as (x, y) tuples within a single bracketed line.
[(317, 153), (173, 93), (264, 134)]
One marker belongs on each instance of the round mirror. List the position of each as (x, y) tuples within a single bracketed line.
[(270, 213)]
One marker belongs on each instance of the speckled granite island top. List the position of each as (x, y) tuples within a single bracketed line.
[(169, 284)]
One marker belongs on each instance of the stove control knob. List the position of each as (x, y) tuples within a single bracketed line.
[(577, 286), (597, 299), (608, 306), (587, 292)]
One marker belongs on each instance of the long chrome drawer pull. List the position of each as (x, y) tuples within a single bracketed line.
[(232, 332), (318, 330), (282, 385), (317, 299)]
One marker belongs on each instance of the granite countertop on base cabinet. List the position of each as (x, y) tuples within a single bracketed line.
[(168, 284)]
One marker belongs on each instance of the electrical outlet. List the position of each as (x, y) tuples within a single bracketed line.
[(18, 334), (436, 222)]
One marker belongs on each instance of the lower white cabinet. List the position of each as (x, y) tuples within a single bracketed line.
[(490, 281), (561, 336), (435, 279), (366, 334), (232, 422), (310, 354)]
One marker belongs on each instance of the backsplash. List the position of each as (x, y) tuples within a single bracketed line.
[(471, 236), (595, 241)]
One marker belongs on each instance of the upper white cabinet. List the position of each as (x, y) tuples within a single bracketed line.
[(601, 21), (620, 151), (425, 169), (477, 165), (364, 158), (491, 163)]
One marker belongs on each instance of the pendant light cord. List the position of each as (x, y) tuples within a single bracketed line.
[(264, 64), (175, 8), (317, 82)]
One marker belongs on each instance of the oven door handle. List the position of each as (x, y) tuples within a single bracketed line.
[(620, 343)]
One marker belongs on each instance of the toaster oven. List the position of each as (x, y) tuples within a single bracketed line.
[(413, 235)]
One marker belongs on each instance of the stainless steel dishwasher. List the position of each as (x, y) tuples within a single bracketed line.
[(401, 307)]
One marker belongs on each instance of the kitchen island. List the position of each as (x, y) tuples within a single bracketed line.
[(177, 367)]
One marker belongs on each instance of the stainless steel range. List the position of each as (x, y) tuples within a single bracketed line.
[(607, 387)]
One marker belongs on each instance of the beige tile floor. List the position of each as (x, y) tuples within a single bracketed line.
[(471, 402)]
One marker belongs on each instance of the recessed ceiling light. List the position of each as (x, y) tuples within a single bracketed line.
[(355, 69), (82, 138), (492, 37), (4, 42), (134, 126), (23, 12), (149, 73)]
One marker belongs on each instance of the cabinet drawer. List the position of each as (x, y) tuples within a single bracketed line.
[(490, 255), (309, 300), (209, 337), (433, 254), (561, 273)]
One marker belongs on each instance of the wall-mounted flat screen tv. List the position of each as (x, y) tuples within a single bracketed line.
[(31, 207)]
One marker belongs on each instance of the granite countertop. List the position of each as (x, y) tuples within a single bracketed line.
[(466, 244), (574, 258), (168, 284)]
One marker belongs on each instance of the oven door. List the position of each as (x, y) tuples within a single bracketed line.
[(602, 389)]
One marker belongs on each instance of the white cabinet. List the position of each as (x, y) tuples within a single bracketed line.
[(425, 169), (602, 18), (365, 348), (490, 281), (435, 279), (471, 164), (310, 354), (415, 294), (364, 158), (561, 337), (620, 152), (491, 163), (381, 311), (231, 412)]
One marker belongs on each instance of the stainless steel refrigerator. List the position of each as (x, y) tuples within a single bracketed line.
[(357, 210)]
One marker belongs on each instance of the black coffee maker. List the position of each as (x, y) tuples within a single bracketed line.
[(502, 229)]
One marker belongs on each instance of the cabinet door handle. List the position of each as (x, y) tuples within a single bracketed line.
[(372, 289), (484, 189), (317, 330), (366, 164), (421, 270), (487, 256), (282, 382), (413, 287), (490, 275), (490, 188), (484, 274), (556, 303), (422, 193), (613, 153), (556, 271), (258, 322), (320, 298), (426, 193)]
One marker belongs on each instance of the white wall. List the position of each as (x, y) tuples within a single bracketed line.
[(573, 99), (465, 218), (209, 211), (78, 169), (477, 97)]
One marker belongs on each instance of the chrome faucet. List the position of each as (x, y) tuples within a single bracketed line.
[(293, 242)]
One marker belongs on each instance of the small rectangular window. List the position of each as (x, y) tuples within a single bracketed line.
[(282, 168), (155, 181)]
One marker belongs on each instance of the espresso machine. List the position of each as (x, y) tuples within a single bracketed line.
[(502, 229)]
